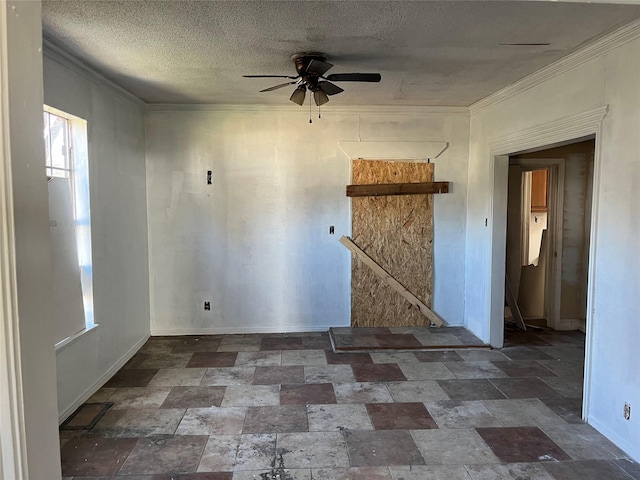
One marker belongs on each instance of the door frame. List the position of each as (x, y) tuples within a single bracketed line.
[(555, 189), (13, 457), (581, 126)]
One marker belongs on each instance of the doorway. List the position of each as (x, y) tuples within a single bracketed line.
[(548, 224), (534, 241), (548, 234)]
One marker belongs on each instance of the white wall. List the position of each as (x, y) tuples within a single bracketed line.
[(256, 243), (610, 78), (118, 226), (21, 65)]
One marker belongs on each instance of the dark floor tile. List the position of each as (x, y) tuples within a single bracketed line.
[(212, 359), (527, 338), (443, 356), (194, 397), (167, 476), (281, 343), (378, 448), (364, 341), (160, 344), (316, 342), (470, 339), (347, 358), (398, 340), (276, 419), (95, 456), (449, 330), (86, 416), (136, 360), (522, 444), (279, 375), (131, 378), (380, 372), (400, 416), (202, 476), (524, 388), (569, 409), (165, 453), (316, 393), (563, 337), (360, 330), (204, 343), (632, 468), (565, 368), (524, 368), (525, 353), (586, 470), (473, 389)]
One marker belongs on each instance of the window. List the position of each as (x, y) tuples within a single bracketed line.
[(67, 166), (58, 145)]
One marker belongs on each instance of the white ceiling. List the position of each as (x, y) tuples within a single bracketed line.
[(429, 52)]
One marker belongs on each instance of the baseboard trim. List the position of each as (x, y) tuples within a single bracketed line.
[(632, 450), (230, 330), (84, 396)]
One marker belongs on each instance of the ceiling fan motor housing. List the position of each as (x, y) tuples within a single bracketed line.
[(302, 59)]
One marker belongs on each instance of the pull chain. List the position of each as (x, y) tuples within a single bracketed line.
[(319, 112), (310, 121)]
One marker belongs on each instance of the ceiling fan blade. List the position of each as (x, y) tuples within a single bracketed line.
[(329, 88), (275, 87), (320, 97), (298, 95), (318, 67), (269, 76), (354, 77)]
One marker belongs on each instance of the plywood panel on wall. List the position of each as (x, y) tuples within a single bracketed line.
[(397, 232)]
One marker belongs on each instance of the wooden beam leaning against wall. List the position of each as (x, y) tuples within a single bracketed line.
[(392, 282)]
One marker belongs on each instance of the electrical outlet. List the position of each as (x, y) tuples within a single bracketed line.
[(207, 305), (627, 411)]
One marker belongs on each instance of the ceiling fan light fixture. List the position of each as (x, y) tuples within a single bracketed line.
[(298, 95), (320, 97)]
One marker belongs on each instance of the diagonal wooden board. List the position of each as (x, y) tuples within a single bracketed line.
[(392, 282)]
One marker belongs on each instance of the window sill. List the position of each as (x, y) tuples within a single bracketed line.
[(67, 342)]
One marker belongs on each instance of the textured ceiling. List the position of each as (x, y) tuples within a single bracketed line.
[(429, 53)]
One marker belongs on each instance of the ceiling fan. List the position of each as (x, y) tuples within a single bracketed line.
[(311, 67)]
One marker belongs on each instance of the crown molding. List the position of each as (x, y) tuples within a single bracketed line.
[(326, 111), (603, 45), (57, 54), (561, 130)]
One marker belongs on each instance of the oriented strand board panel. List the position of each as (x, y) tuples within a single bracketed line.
[(397, 232)]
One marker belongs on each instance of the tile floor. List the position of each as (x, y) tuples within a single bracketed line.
[(243, 407)]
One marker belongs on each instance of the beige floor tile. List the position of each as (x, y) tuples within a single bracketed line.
[(333, 418), (212, 421), (171, 377)]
